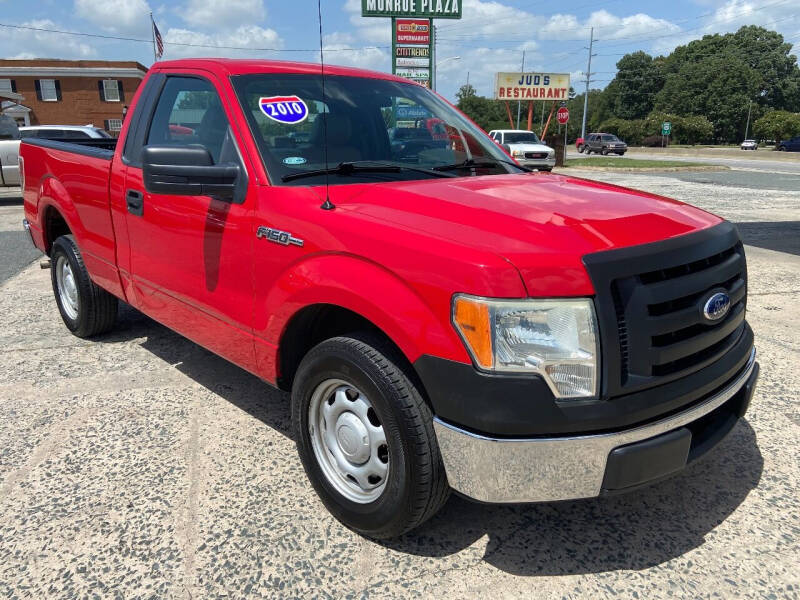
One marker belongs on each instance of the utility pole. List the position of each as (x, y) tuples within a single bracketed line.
[(433, 57), (588, 75), (747, 127), (519, 102)]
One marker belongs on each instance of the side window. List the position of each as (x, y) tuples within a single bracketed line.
[(189, 111)]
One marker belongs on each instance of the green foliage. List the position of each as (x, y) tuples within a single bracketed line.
[(777, 125), (685, 130), (465, 91), (711, 81)]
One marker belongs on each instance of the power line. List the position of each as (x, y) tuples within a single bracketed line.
[(220, 47)]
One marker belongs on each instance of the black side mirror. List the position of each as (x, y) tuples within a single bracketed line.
[(187, 171)]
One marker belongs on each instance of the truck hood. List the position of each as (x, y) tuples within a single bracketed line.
[(543, 224), (527, 147)]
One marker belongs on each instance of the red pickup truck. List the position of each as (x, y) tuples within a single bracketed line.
[(443, 318)]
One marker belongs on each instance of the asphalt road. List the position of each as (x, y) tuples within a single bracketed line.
[(16, 249), (140, 465)]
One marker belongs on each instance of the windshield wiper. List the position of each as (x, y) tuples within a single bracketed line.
[(471, 163), (363, 166)]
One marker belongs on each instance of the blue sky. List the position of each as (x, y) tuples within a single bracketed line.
[(491, 37)]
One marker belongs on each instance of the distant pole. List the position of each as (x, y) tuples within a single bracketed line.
[(747, 127), (588, 75), (433, 57), (153, 36), (467, 77), (519, 102)]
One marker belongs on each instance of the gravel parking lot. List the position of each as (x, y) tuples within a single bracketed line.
[(141, 466)]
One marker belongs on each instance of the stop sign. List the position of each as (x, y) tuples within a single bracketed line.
[(563, 115)]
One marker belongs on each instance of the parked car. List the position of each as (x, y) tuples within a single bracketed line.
[(579, 144), (526, 148), (449, 320), (791, 145), (63, 132), (9, 151), (749, 145), (604, 143), (9, 147)]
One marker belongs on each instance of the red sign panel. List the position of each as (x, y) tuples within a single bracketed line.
[(413, 31), (563, 115)]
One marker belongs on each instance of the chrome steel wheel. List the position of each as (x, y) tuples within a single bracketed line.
[(67, 287), (348, 440)]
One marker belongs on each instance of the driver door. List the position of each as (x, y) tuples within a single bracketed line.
[(191, 256)]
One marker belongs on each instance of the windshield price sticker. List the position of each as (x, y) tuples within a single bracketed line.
[(284, 109)]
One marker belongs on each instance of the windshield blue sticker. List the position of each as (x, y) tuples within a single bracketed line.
[(294, 160), (284, 109)]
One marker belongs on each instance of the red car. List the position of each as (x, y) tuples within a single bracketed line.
[(443, 319)]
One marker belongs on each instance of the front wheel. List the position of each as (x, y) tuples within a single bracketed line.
[(604, 152), (85, 308), (365, 437)]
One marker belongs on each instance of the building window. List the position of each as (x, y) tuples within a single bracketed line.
[(48, 90), (111, 90), (114, 124), (7, 85)]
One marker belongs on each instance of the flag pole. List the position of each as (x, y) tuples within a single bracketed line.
[(153, 35)]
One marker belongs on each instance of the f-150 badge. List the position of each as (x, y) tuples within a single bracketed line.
[(279, 237)]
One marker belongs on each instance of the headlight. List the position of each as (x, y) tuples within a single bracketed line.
[(551, 154), (555, 338), (517, 153)]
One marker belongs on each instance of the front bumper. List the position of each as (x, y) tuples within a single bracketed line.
[(537, 163), (581, 466)]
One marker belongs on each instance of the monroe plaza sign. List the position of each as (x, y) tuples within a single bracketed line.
[(426, 9), (531, 86)]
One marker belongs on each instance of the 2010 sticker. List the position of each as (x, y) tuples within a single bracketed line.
[(294, 160), (289, 110)]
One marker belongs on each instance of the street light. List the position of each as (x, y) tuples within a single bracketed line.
[(436, 67)]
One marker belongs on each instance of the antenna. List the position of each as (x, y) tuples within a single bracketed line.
[(327, 205)]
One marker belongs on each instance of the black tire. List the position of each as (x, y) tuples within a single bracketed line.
[(546, 169), (580, 149), (604, 152), (416, 484), (96, 310)]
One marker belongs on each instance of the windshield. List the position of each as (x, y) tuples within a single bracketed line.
[(520, 137), (367, 120)]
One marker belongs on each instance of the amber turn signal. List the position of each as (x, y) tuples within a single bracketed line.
[(471, 318)]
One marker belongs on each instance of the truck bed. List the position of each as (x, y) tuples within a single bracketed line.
[(97, 148)]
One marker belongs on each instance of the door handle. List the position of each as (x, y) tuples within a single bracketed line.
[(135, 201)]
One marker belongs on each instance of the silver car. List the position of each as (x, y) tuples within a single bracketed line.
[(749, 145)]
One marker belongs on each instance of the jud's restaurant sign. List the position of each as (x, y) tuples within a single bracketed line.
[(427, 9), (531, 86)]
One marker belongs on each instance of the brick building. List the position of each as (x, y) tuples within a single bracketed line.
[(68, 92)]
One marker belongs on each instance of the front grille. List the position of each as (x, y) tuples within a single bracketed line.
[(536, 155), (650, 306)]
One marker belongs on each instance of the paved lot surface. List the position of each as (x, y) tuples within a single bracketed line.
[(142, 466)]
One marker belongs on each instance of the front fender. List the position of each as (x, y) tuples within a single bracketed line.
[(416, 325)]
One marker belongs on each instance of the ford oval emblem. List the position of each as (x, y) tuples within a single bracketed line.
[(717, 306)]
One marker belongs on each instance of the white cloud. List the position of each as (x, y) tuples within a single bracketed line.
[(222, 13), (117, 16), (41, 44), (374, 59), (245, 36)]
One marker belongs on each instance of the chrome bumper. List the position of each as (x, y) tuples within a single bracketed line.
[(537, 162), (547, 469)]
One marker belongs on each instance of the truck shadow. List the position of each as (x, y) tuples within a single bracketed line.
[(632, 531), (781, 236)]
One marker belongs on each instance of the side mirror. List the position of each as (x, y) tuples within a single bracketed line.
[(187, 171)]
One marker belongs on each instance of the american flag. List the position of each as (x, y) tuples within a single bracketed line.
[(158, 40)]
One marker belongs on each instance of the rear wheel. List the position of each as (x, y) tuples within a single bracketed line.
[(85, 308), (365, 437)]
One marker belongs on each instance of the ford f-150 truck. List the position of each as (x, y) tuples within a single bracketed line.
[(443, 318)]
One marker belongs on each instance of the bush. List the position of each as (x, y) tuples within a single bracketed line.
[(777, 125), (652, 141)]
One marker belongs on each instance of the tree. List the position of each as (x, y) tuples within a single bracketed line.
[(777, 125), (465, 91), (639, 78)]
